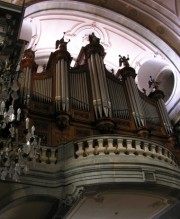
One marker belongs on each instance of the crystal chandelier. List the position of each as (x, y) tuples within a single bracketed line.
[(14, 154)]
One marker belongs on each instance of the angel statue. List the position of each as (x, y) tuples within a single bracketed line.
[(153, 83), (123, 60), (94, 39), (61, 44)]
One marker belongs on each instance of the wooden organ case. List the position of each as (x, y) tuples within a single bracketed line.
[(68, 103)]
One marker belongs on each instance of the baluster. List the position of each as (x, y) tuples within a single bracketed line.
[(159, 151), (173, 160), (139, 150), (130, 149), (120, 149), (90, 149), (80, 150), (52, 157), (100, 146), (165, 155), (147, 152), (153, 150), (115, 147), (43, 156), (110, 148), (170, 158)]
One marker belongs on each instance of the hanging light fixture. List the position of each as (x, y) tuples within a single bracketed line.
[(14, 154)]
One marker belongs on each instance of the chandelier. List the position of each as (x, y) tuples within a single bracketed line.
[(14, 154)]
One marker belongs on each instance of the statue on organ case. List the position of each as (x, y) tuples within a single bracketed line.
[(154, 84), (123, 60), (93, 39), (61, 44)]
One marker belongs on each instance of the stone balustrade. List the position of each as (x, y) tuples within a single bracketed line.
[(104, 146), (106, 159), (98, 146), (48, 155)]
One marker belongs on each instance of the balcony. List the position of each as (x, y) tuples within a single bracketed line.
[(104, 160)]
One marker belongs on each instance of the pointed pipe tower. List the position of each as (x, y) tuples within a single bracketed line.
[(62, 64), (158, 95), (128, 77), (63, 60), (28, 66), (94, 53)]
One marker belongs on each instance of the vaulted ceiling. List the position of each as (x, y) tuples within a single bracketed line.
[(162, 17)]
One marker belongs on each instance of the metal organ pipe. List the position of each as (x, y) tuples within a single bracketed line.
[(135, 101), (45, 89), (93, 87), (166, 120), (132, 101), (86, 92), (79, 90), (57, 97), (62, 82), (29, 83), (95, 78), (139, 102), (101, 85), (109, 113), (101, 95), (36, 87), (73, 88), (26, 82), (23, 83), (62, 88), (91, 78), (96, 98), (100, 77), (42, 89), (25, 92), (50, 89), (66, 87)]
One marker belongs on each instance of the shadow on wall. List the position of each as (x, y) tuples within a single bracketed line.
[(31, 207)]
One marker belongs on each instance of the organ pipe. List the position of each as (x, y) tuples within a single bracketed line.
[(165, 118), (134, 98), (62, 82), (158, 95), (93, 88), (99, 84), (42, 89)]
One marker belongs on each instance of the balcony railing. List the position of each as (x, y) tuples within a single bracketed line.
[(105, 146)]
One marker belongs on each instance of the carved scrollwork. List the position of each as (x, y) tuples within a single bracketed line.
[(62, 121)]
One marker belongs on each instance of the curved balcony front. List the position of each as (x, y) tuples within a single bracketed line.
[(104, 160)]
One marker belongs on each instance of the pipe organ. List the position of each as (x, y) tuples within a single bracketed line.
[(72, 102)]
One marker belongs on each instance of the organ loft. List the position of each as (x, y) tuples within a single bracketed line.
[(69, 103)]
